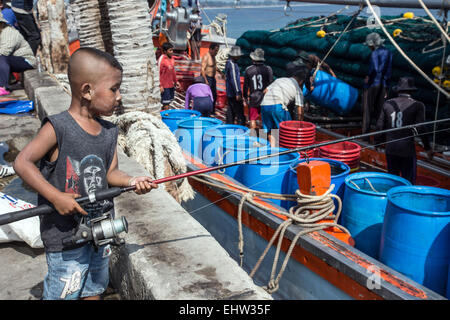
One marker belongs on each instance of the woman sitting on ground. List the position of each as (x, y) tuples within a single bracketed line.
[(199, 97), (15, 54)]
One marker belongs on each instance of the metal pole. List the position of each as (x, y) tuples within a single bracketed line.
[(115, 191), (413, 4)]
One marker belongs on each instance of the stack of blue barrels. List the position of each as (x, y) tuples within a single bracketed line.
[(403, 226)]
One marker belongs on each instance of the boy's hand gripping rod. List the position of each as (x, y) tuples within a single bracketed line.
[(116, 191)]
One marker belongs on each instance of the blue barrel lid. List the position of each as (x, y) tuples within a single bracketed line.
[(179, 113), (394, 194), (240, 143), (370, 174), (275, 160), (224, 129), (337, 164), (198, 122)]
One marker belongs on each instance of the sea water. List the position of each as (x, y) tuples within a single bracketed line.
[(272, 16)]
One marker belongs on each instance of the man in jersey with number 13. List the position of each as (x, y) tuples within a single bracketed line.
[(256, 79), (400, 147)]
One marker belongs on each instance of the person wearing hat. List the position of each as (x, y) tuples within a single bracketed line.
[(195, 35), (15, 54), (256, 79), (235, 108), (400, 147), (279, 94), (377, 80), (199, 97), (312, 61)]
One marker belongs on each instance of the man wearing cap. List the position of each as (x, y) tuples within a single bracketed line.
[(312, 61), (278, 96), (235, 108), (199, 97), (377, 80), (400, 147), (256, 79)]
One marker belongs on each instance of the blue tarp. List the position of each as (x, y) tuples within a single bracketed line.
[(16, 106)]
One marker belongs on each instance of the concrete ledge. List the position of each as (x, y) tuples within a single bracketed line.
[(48, 95), (168, 254)]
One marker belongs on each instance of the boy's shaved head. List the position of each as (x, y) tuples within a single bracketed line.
[(84, 66)]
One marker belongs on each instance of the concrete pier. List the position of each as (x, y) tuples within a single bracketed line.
[(168, 255)]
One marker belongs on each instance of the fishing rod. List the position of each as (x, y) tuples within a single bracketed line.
[(116, 191)]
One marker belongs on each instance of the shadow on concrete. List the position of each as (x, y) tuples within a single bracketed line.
[(23, 248), (132, 247)]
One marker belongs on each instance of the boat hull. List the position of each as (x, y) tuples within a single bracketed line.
[(335, 269)]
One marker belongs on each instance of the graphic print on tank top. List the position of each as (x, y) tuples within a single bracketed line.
[(86, 177)]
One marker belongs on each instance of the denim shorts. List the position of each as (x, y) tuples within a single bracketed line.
[(167, 95), (272, 115), (77, 273)]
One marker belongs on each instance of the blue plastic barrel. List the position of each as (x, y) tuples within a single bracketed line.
[(332, 93), (339, 171), (363, 208), (415, 238), (171, 117), (236, 149), (190, 133), (269, 174), (214, 138)]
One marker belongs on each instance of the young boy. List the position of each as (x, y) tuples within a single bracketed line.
[(167, 75), (77, 151)]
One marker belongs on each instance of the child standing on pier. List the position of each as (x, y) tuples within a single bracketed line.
[(77, 151)]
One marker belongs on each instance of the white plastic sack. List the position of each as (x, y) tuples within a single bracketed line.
[(23, 230)]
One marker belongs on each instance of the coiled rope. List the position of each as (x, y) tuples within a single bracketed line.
[(306, 214)]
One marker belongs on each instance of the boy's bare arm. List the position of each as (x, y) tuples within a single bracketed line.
[(118, 178), (24, 165)]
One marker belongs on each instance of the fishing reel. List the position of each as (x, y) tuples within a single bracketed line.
[(100, 231)]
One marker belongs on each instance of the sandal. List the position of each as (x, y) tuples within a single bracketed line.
[(6, 171)]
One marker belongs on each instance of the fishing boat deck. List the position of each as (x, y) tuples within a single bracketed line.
[(340, 264)]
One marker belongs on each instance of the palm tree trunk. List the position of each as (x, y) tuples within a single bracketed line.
[(44, 52), (93, 20), (59, 50), (133, 46), (55, 49)]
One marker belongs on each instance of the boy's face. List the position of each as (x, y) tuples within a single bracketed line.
[(169, 52), (105, 94), (214, 51)]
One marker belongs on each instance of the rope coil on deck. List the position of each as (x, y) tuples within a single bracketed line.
[(306, 214)]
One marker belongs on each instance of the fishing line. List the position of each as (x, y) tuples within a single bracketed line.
[(275, 176)]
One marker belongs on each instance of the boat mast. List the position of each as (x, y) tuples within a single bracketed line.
[(431, 4)]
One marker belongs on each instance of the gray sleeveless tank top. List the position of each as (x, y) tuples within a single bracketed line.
[(81, 167)]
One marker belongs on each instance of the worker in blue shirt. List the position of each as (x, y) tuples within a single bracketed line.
[(377, 80), (235, 108)]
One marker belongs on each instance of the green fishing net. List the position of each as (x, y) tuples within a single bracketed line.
[(420, 40)]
